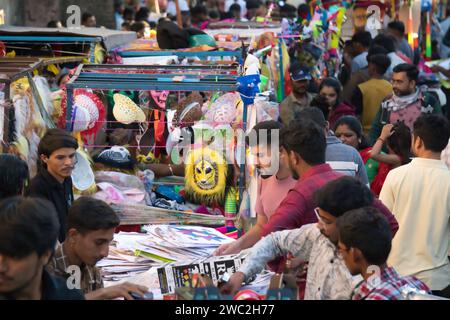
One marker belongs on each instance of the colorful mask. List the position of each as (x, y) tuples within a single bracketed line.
[(160, 98), (206, 175)]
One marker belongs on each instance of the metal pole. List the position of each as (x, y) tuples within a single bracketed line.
[(281, 81)]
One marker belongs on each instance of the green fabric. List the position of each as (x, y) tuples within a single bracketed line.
[(371, 169), (201, 39)]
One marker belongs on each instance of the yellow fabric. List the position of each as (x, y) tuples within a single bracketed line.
[(99, 54), (53, 69), (373, 93)]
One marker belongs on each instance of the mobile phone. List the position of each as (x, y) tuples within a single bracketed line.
[(147, 296)]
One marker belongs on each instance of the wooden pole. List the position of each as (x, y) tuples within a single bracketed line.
[(179, 19)]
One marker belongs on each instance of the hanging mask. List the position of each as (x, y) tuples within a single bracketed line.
[(160, 98)]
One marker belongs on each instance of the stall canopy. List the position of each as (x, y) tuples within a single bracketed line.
[(110, 39)]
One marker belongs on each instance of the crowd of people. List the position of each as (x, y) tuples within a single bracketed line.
[(363, 183)]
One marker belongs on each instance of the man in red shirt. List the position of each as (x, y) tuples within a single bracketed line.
[(304, 144)]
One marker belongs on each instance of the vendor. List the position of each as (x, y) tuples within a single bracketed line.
[(57, 159), (90, 228)]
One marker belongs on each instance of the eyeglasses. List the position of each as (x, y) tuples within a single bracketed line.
[(319, 218)]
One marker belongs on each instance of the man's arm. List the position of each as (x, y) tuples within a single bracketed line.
[(289, 215), (388, 214), (357, 101)]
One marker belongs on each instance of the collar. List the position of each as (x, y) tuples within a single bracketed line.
[(52, 180), (318, 169), (332, 139), (365, 287), (424, 162)]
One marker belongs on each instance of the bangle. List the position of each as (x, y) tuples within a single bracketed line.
[(381, 139), (170, 169)]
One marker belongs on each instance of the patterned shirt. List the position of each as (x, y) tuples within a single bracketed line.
[(327, 277), (91, 278), (387, 286)]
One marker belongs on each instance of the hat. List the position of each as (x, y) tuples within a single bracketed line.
[(80, 119), (299, 72), (82, 175), (116, 157), (126, 111)]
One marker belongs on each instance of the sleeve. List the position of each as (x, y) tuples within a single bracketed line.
[(289, 214), (375, 130), (355, 66), (37, 189), (388, 214), (387, 194), (361, 174), (298, 242), (437, 108), (357, 101)]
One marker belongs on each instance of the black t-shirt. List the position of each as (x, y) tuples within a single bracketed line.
[(44, 185), (54, 288)]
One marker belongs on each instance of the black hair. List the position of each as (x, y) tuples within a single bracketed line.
[(400, 141), (128, 12), (312, 113), (380, 61), (89, 214), (142, 14), (53, 140), (85, 16), (302, 8), (307, 139), (27, 225), (14, 175), (335, 84), (411, 71), (362, 37), (355, 125), (434, 130), (137, 26), (199, 10), (397, 25), (376, 49), (267, 126), (369, 231), (235, 7), (53, 24), (126, 24), (321, 103), (385, 41), (341, 195), (253, 4), (214, 14)]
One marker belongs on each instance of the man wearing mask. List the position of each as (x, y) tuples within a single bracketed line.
[(299, 98), (406, 103), (57, 159)]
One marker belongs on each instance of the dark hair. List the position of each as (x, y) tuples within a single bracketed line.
[(411, 71), (89, 214), (362, 37), (214, 14), (85, 16), (53, 140), (434, 130), (335, 84), (400, 141), (397, 25), (198, 10), (321, 103), (380, 61), (302, 9), (385, 41), (53, 24), (14, 175), (268, 126), (342, 195), (137, 26), (355, 125), (128, 12), (253, 4), (368, 230), (307, 139), (142, 14), (235, 7), (27, 225), (376, 49), (312, 113), (126, 24)]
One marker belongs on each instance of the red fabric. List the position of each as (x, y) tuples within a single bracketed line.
[(129, 228), (365, 154), (342, 109), (378, 181), (388, 287)]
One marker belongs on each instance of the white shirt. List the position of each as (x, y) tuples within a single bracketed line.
[(445, 155), (172, 9), (418, 194), (327, 277)]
